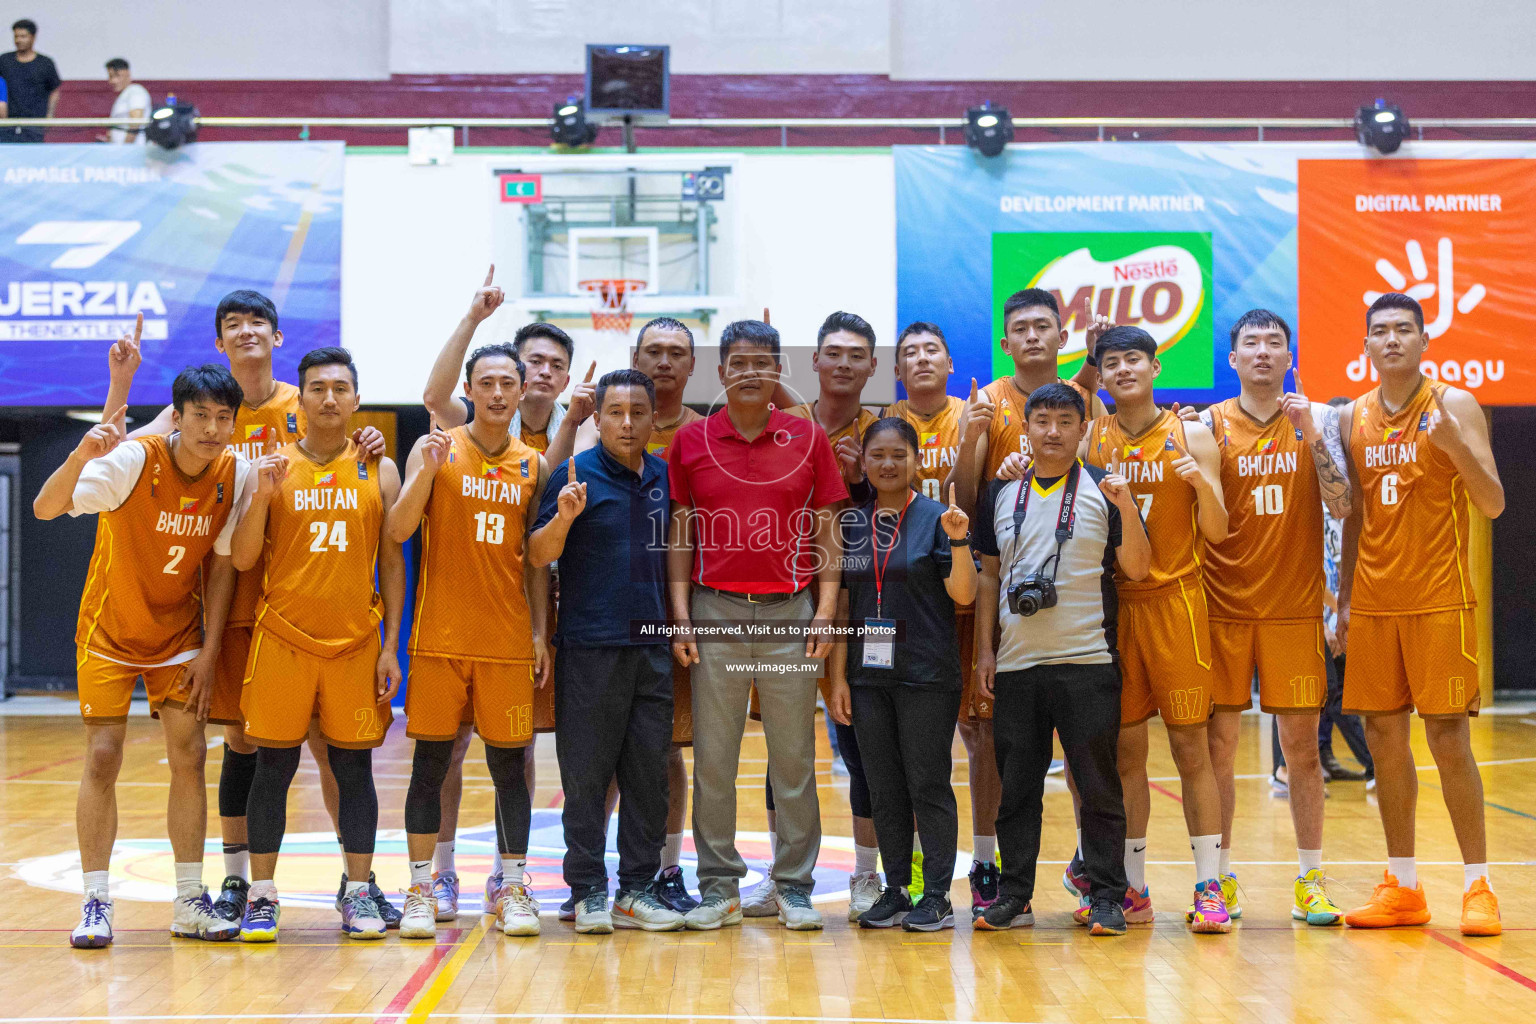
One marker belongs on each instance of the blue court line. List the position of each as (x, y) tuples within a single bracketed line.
[(1487, 803)]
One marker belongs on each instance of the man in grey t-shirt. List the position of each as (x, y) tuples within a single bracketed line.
[(1055, 667)]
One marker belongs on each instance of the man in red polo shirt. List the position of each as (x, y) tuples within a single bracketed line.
[(754, 556)]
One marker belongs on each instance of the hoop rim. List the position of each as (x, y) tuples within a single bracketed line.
[(617, 287)]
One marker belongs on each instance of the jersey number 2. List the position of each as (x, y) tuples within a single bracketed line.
[(176, 554), (328, 535)]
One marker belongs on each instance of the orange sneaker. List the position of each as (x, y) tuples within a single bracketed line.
[(1480, 910), (1391, 906)]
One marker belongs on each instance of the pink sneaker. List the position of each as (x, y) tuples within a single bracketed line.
[(1210, 914), (1137, 908)]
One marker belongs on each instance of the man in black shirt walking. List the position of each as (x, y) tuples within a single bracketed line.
[(32, 82)]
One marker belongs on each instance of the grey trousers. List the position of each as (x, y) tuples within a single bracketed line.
[(722, 681)]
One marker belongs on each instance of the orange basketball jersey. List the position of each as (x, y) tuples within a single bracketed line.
[(938, 442), (855, 430), (661, 439), (1007, 431), (322, 546), (278, 421), (1167, 503), (142, 603), (469, 600), (1270, 567), (1413, 539)]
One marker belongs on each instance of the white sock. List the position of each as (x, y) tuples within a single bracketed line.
[(497, 868), (1226, 861), (985, 848), (517, 865), (1207, 856), (917, 843), (1079, 850), (189, 879), (1136, 863), (672, 850), (442, 858), (421, 873), (237, 862), (263, 887), (865, 859), (1471, 873), (1406, 869), (357, 888), (1310, 860), (96, 884)]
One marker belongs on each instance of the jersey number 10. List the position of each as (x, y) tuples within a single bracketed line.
[(1268, 500)]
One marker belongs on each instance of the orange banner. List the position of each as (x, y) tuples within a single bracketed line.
[(1457, 235)]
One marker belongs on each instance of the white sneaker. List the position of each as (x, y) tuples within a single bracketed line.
[(519, 910), (795, 910), (419, 920), (761, 901), (639, 908), (193, 918), (492, 903), (95, 928), (714, 912), (360, 917), (863, 891), (592, 917)]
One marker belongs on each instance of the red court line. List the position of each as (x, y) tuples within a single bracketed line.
[(1166, 792), (414, 984), (1487, 961), (44, 767), (559, 800)]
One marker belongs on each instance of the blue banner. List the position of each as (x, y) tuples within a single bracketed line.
[(1180, 239), (92, 235)]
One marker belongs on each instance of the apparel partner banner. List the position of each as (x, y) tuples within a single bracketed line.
[(92, 235)]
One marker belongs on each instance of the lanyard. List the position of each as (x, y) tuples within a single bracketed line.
[(874, 540), (1067, 518)]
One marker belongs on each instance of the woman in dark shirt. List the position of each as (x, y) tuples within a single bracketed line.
[(902, 694)]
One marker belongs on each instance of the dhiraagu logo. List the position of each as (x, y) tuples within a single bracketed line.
[(1159, 281)]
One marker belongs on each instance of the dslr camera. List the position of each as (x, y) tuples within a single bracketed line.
[(1032, 593)]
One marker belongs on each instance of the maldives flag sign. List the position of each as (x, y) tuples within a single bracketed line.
[(1457, 235)]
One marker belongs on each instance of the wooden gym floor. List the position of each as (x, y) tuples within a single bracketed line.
[(1268, 969)]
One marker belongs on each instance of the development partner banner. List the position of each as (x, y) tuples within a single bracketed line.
[(1177, 239), (92, 235)]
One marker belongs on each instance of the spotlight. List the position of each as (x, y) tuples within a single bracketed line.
[(988, 129), (172, 125), (1382, 126), (571, 127)]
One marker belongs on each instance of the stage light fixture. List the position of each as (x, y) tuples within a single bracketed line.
[(172, 125), (1381, 126), (988, 129), (571, 127)]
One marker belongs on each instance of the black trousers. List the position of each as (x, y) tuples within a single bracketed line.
[(613, 720), (904, 738), (1081, 704)]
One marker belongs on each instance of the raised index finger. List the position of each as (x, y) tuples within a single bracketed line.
[(489, 275), (138, 328), (590, 371), (952, 492), (973, 390), (570, 472), (1439, 401), (1296, 372)]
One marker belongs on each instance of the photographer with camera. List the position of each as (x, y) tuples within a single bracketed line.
[(1049, 545)]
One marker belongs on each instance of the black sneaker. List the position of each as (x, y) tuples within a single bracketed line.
[(568, 909), (932, 913), (1007, 912), (889, 910), (387, 910), (984, 878), (230, 906), (669, 888), (1106, 918)]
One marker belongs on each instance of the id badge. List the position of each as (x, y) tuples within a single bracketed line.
[(879, 643)]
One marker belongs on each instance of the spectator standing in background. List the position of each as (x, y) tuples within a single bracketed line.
[(132, 102), (31, 80), (2, 98)]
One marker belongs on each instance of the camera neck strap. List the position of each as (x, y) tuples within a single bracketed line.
[(1066, 520)]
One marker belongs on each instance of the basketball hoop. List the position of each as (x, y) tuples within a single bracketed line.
[(612, 297)]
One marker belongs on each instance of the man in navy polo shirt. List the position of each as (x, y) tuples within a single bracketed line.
[(753, 570), (613, 683)]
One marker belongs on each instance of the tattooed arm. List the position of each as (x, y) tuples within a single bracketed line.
[(1327, 447)]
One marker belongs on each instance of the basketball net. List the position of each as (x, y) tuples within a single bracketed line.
[(612, 297)]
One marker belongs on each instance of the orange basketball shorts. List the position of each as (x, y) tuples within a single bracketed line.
[(1425, 662), (1165, 656), (284, 688), (500, 697), (1288, 657), (106, 687)]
